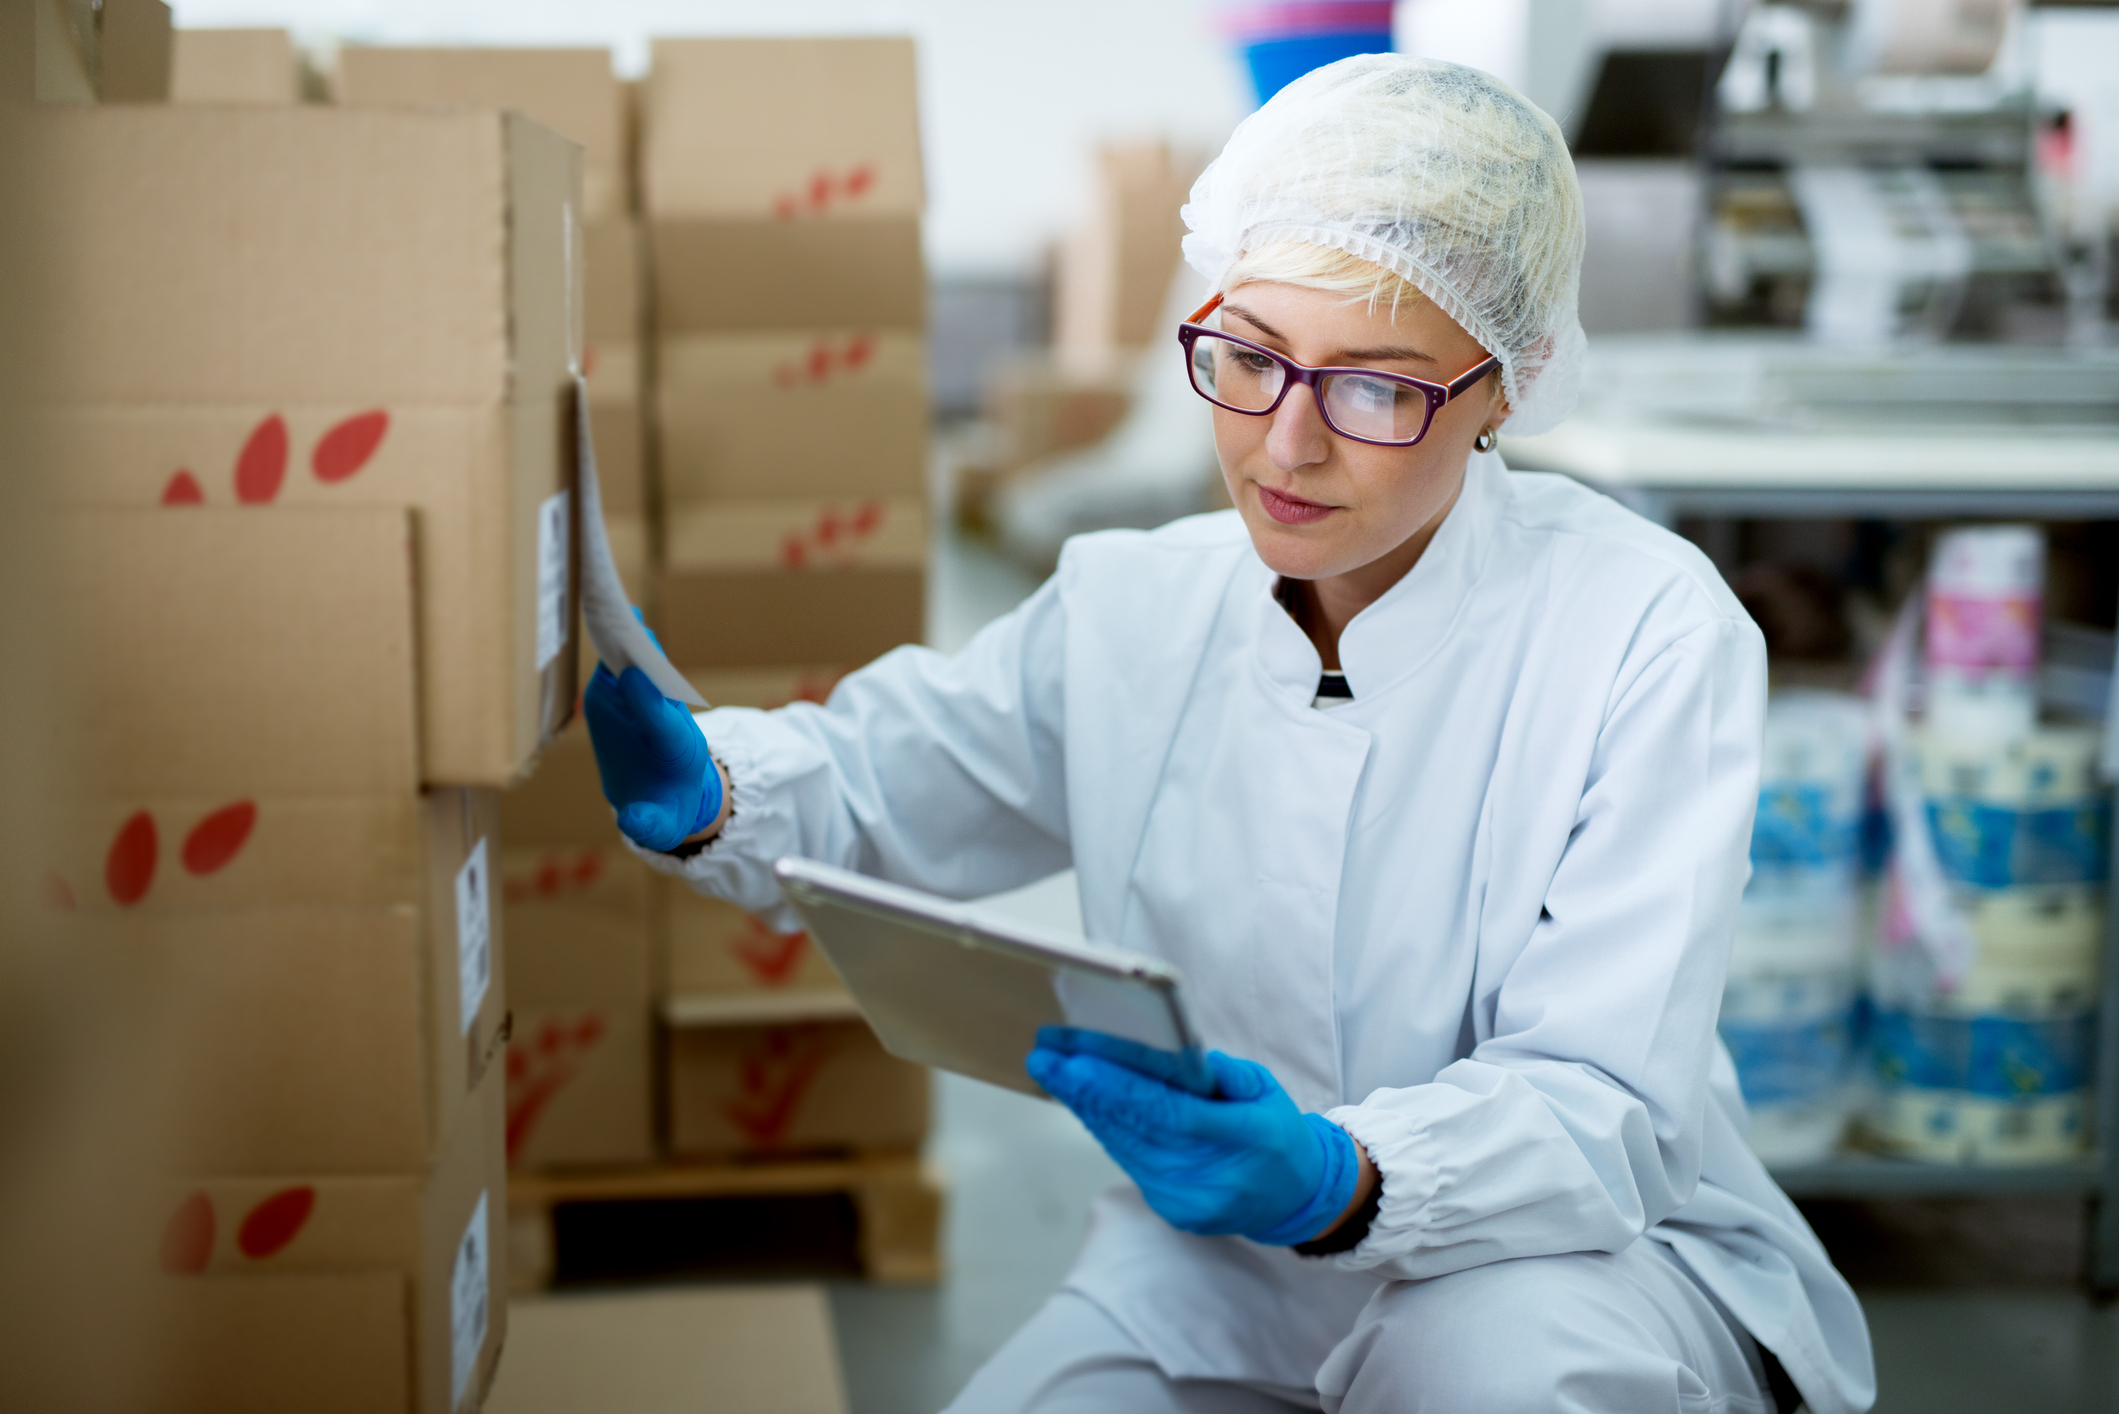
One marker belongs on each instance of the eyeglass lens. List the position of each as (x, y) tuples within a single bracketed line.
[(1245, 380)]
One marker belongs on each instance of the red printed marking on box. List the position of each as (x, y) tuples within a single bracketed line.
[(219, 837), (772, 1079), (183, 490), (771, 957), (187, 1238), (274, 1223), (57, 892), (346, 448), (129, 868), (262, 464), (539, 1069)]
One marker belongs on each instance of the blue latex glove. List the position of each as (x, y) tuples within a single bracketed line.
[(1248, 1163), (657, 772)]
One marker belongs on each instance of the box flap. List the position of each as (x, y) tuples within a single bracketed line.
[(264, 255), (571, 91)]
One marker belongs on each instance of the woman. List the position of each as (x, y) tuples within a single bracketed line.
[(1435, 780)]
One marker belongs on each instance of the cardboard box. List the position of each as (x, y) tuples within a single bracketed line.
[(840, 413), (1115, 269), (219, 654), (765, 688), (234, 66), (1042, 404), (255, 1257), (613, 296), (717, 948), (621, 454), (292, 1040), (796, 274), (748, 584), (809, 1085), (339, 308), (583, 955), (137, 40), (273, 762), (571, 91), (562, 805), (795, 161), (67, 52)]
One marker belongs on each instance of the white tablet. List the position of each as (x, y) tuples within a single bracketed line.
[(947, 987)]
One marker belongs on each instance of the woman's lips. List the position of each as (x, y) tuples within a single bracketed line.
[(1291, 510)]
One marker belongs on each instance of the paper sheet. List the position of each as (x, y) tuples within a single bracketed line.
[(605, 611)]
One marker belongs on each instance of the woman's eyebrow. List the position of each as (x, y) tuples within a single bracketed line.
[(1386, 354)]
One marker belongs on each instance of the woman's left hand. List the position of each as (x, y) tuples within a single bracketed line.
[(1247, 1162)]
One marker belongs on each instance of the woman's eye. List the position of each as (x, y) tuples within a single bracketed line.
[(1253, 362)]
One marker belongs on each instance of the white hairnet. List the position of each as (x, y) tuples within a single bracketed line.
[(1439, 173)]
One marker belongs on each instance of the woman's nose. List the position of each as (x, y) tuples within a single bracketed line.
[(1298, 437)]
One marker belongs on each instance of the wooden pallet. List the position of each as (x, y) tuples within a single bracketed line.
[(897, 1198)]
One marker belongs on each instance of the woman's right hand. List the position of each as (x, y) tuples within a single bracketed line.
[(657, 772)]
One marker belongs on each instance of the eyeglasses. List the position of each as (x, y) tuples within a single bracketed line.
[(1361, 404)]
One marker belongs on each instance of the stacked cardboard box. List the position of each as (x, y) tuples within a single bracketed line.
[(582, 915), (574, 93), (315, 567), (584, 967), (235, 66), (782, 189)]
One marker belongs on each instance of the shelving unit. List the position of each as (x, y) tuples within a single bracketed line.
[(1722, 439)]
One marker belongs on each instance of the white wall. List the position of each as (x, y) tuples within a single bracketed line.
[(1015, 93)]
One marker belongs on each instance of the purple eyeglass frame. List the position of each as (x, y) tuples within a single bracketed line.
[(1437, 394)]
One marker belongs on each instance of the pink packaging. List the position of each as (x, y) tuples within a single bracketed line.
[(1986, 591)]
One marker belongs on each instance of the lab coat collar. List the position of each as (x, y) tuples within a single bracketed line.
[(1392, 637)]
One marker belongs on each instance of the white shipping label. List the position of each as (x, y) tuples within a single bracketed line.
[(474, 934), (468, 1284), (552, 546)]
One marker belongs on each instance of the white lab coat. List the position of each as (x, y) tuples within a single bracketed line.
[(1479, 916)]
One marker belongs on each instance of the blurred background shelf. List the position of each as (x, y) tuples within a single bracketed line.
[(1857, 1175)]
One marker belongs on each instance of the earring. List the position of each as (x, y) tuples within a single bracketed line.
[(1484, 442)]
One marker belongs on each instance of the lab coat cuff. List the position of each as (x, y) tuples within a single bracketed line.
[(1406, 1178), (736, 865)]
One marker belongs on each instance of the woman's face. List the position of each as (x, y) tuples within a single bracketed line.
[(1317, 504)]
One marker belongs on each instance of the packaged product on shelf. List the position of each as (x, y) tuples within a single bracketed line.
[(1986, 592), (1995, 1068), (1990, 1089), (1788, 1010)]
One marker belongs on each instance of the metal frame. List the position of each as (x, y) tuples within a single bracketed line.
[(2095, 1177)]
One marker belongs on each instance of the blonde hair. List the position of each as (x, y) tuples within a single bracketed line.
[(1317, 267)]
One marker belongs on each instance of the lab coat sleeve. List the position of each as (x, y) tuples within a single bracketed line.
[(943, 773), (1577, 1122)]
